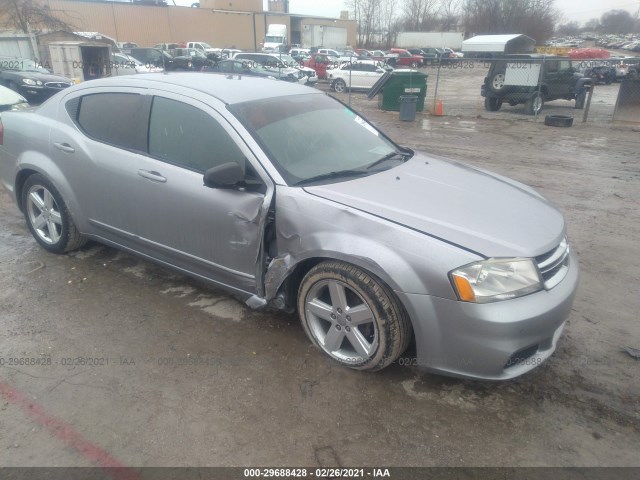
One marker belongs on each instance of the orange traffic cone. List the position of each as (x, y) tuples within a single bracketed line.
[(439, 109)]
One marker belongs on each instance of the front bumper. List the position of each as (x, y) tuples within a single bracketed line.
[(492, 341)]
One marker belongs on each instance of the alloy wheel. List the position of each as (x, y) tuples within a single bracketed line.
[(44, 214), (341, 322)]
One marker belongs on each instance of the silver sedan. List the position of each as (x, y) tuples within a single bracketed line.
[(283, 196)]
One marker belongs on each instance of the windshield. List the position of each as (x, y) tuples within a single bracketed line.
[(205, 45), (308, 136)]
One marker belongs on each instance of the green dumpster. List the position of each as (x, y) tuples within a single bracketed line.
[(400, 83)]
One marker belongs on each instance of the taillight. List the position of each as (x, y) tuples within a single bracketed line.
[(1, 133)]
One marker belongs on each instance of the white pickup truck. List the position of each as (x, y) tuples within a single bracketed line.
[(204, 47)]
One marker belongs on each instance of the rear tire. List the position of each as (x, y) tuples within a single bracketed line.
[(492, 104), (48, 217), (353, 317), (496, 83), (339, 85)]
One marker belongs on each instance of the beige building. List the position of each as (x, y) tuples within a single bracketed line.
[(221, 23)]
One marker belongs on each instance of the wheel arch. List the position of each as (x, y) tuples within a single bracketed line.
[(44, 166), (285, 274)]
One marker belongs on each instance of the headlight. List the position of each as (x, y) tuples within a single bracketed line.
[(28, 81), (496, 279), (19, 106)]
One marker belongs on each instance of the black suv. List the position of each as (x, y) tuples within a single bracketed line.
[(532, 80)]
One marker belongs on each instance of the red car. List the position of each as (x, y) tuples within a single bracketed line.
[(404, 58)]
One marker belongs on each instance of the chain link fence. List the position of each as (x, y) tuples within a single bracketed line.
[(520, 87), (597, 91)]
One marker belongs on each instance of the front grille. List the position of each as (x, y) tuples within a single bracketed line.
[(57, 85), (554, 265)]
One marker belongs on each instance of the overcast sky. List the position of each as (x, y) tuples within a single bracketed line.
[(572, 10), (580, 11)]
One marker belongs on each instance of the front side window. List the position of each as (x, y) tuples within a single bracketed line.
[(118, 119), (187, 136)]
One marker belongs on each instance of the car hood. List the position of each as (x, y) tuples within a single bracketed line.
[(479, 211)]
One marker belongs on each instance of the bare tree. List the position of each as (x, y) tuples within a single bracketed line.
[(617, 21), (592, 25), (419, 15), (535, 18), (32, 16), (570, 28), (367, 16), (449, 13)]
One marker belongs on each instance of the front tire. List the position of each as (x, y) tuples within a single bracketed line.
[(352, 316), (534, 105), (47, 216)]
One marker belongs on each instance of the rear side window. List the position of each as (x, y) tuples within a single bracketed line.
[(185, 135), (119, 119)]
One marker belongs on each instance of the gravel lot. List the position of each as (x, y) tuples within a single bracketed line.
[(195, 378)]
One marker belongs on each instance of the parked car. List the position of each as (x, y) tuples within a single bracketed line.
[(126, 45), (11, 100), (282, 63), (238, 67), (285, 196), (203, 47), (601, 74), (196, 58), (122, 64), (432, 55), (229, 52), (403, 58), (359, 75), (155, 58), (165, 46), (30, 79), (513, 79)]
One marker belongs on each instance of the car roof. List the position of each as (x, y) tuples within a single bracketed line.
[(227, 90), (365, 62)]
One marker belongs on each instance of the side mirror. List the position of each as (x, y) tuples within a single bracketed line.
[(227, 175)]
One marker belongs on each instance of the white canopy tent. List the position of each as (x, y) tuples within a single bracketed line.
[(514, 43)]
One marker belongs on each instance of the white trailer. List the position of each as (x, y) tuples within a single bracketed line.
[(430, 39), (324, 36)]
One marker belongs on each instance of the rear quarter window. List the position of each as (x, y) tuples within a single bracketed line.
[(119, 119)]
